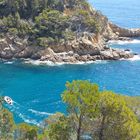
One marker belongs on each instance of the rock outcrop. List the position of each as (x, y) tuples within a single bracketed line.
[(89, 47), (85, 46), (122, 32)]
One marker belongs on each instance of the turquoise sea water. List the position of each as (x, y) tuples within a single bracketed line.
[(125, 13), (36, 90)]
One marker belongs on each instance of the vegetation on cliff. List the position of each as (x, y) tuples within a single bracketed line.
[(46, 22), (99, 115), (43, 29)]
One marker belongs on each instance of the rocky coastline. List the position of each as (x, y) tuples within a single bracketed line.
[(85, 46), (83, 49)]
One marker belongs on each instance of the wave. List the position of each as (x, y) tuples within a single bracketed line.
[(9, 62), (135, 58), (101, 61), (124, 42), (38, 62), (50, 63)]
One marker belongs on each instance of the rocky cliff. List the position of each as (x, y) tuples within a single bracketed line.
[(86, 44)]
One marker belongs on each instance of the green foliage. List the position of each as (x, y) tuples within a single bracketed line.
[(1, 103), (116, 119), (51, 23), (16, 26), (82, 12), (85, 4), (75, 96), (81, 98), (68, 35), (87, 22), (13, 31), (104, 115), (25, 131), (6, 124), (134, 104), (56, 4), (52, 28), (92, 25), (45, 42), (43, 136), (59, 128), (28, 8)]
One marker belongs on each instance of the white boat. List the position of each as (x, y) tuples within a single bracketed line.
[(8, 100)]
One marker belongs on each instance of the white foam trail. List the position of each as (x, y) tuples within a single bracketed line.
[(135, 58), (28, 120), (121, 42), (22, 113), (24, 117), (39, 112), (55, 103)]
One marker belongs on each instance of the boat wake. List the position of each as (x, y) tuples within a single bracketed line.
[(28, 115), (40, 113)]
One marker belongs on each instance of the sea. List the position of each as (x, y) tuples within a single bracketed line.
[(36, 89)]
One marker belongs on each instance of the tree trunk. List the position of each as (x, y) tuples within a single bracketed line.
[(79, 128), (101, 133)]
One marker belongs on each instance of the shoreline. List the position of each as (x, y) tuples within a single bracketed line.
[(50, 63), (70, 58)]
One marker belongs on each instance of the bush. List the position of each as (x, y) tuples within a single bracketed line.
[(6, 124), (92, 25), (60, 128), (24, 131), (51, 23), (13, 31), (45, 42), (16, 26)]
